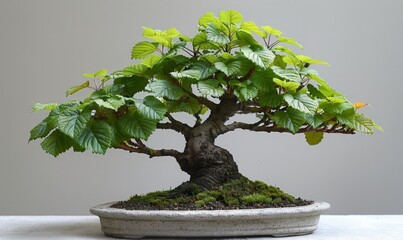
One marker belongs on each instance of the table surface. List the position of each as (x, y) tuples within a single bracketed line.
[(331, 227)]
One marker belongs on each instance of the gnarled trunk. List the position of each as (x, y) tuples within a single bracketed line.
[(209, 165)]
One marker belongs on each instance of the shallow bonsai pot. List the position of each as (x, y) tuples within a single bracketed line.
[(276, 222)]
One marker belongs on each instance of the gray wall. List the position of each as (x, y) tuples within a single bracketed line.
[(45, 46)]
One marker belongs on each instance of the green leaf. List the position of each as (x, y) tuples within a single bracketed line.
[(97, 137), (313, 138), (289, 74), (136, 70), (335, 108), (302, 102), (328, 91), (211, 58), (291, 119), (309, 60), (314, 75), (278, 61), (338, 99), (289, 86), (210, 88), (132, 85), (251, 27), (261, 57), (56, 143), (137, 126), (89, 75), (72, 122), (233, 68), (151, 107), (101, 73), (209, 18), (41, 130), (151, 60), (315, 92), (200, 41), (188, 105), (283, 49), (143, 49), (193, 74), (231, 16), (271, 30), (164, 88), (104, 104), (289, 41), (77, 88), (292, 60), (177, 47), (116, 102), (363, 124), (270, 98), (206, 69), (246, 92), (315, 121), (216, 35), (172, 32), (162, 37), (244, 38), (41, 106), (263, 80), (347, 117)]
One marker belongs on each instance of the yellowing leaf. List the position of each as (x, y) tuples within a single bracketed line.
[(313, 138), (272, 30), (101, 73), (359, 105), (251, 27), (77, 88), (309, 60), (289, 41)]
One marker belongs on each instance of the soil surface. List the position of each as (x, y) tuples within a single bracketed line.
[(216, 205), (241, 193)]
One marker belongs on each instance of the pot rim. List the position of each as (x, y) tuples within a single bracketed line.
[(104, 210)]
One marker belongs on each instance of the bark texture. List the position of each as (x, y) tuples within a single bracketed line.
[(209, 165)]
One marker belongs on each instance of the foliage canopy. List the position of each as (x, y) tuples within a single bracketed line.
[(227, 58)]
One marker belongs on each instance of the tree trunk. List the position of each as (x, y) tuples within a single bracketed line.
[(208, 165)]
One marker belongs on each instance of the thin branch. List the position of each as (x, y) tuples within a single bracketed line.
[(140, 147), (183, 126), (198, 119), (265, 43), (271, 127), (268, 41), (274, 44), (188, 51), (175, 125), (201, 100)]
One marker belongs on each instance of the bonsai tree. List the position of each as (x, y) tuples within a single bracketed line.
[(229, 67)]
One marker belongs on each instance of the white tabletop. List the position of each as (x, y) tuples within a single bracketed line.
[(331, 227)]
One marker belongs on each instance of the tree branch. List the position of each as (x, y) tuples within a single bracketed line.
[(140, 147), (202, 100), (271, 127), (175, 125)]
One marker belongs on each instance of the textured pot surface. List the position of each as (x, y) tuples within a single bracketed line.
[(209, 223)]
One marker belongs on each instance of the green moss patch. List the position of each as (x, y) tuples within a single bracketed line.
[(237, 194)]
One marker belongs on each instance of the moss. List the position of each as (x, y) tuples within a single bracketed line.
[(255, 199), (235, 194), (204, 201)]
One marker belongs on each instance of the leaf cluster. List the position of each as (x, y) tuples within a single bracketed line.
[(227, 58)]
